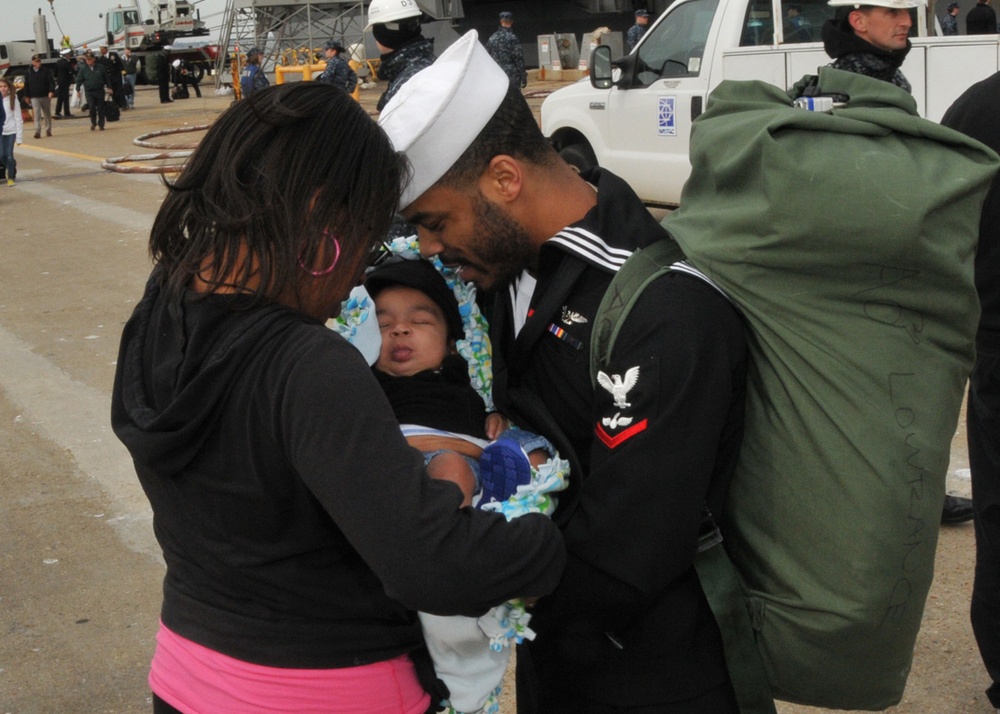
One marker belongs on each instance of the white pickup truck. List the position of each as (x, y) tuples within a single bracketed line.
[(638, 122)]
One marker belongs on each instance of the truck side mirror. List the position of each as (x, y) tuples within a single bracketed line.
[(600, 68)]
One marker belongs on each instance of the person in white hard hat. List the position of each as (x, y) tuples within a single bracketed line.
[(184, 77), (871, 38), (395, 24)]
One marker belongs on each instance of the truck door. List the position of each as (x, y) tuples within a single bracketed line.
[(654, 106), (115, 24)]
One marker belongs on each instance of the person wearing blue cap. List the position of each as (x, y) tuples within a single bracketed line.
[(505, 49), (637, 30), (338, 72), (949, 23), (252, 78)]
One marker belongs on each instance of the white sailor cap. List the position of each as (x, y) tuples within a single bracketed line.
[(439, 112)]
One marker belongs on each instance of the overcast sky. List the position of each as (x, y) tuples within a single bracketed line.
[(81, 19)]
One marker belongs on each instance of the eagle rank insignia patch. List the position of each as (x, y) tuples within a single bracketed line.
[(615, 430)]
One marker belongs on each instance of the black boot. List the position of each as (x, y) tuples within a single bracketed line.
[(956, 510)]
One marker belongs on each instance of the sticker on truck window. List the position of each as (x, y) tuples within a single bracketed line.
[(666, 120)]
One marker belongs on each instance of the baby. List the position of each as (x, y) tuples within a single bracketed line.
[(443, 416), (428, 386)]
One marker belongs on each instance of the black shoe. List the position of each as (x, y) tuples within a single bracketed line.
[(92, 127), (956, 510)]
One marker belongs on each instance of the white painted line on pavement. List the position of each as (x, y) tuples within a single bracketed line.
[(71, 414), (77, 417), (109, 213)]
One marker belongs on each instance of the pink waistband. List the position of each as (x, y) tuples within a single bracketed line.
[(197, 680)]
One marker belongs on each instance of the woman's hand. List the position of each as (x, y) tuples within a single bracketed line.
[(428, 443), (496, 424)]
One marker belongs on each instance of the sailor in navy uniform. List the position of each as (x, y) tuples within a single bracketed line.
[(628, 628)]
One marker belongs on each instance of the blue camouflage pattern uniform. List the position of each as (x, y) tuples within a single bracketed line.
[(635, 34), (398, 66), (949, 25), (339, 73), (252, 79), (505, 49)]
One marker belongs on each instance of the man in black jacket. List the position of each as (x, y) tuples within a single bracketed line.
[(64, 82), (163, 72), (39, 89), (628, 628), (981, 20), (131, 63), (93, 78), (977, 113)]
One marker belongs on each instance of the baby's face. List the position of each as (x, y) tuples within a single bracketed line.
[(414, 332)]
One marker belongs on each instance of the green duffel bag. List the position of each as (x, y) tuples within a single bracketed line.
[(846, 239)]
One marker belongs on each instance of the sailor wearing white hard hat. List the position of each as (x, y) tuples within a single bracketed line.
[(396, 27), (871, 38)]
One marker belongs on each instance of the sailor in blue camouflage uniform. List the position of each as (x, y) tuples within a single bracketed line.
[(338, 72), (949, 23), (505, 49), (405, 51), (637, 30), (252, 78)]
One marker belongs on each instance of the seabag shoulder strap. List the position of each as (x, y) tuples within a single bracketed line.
[(643, 267), (717, 574)]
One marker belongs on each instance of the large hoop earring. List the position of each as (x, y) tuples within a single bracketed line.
[(336, 256)]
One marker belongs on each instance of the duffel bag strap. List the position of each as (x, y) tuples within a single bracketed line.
[(721, 584)]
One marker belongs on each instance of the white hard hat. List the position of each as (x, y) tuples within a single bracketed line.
[(893, 4), (391, 11)]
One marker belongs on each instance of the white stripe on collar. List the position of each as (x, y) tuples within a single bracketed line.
[(682, 266), (591, 247)]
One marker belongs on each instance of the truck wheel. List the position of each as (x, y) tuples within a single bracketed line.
[(198, 70), (579, 156)]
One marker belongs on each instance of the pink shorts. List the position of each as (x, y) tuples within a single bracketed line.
[(197, 680)]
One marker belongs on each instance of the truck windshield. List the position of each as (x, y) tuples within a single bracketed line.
[(677, 44), (115, 21), (132, 17)]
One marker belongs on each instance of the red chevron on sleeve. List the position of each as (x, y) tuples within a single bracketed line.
[(613, 442)]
